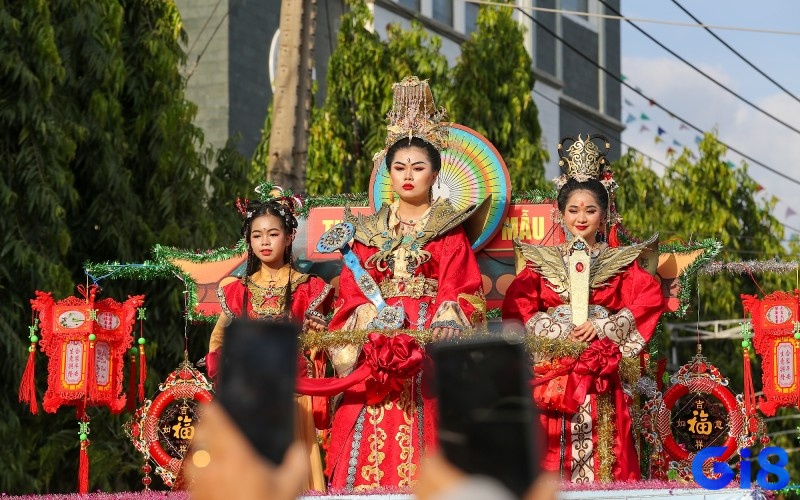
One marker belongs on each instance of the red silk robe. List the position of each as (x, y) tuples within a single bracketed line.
[(379, 444), (632, 303), (308, 293)]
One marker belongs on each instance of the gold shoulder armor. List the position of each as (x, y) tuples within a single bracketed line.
[(368, 228), (612, 261), (546, 260), (445, 217)]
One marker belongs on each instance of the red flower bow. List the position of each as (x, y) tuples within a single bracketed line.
[(392, 360)]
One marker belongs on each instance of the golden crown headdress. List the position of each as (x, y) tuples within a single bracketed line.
[(414, 114), (583, 159)]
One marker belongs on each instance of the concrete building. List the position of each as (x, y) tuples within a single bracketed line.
[(235, 40)]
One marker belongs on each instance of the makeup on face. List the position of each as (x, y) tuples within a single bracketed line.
[(583, 215), (268, 240), (412, 175)]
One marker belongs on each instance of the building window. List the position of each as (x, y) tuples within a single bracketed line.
[(588, 6), (443, 11), (410, 4), (576, 6), (470, 17)]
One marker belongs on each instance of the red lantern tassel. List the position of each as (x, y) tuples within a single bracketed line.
[(613, 236), (83, 469), (132, 383), (27, 387), (797, 368), (91, 375), (142, 371), (749, 392)]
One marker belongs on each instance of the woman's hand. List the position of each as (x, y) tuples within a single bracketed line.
[(584, 333), (444, 333), (314, 321)]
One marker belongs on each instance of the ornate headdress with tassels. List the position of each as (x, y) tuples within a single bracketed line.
[(583, 160), (586, 159), (414, 114)]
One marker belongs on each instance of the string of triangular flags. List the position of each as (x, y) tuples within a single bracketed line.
[(634, 116)]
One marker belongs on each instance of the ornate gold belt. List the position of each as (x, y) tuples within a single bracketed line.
[(414, 287)]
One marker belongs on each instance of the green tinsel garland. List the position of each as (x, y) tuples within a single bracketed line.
[(710, 248), (165, 253), (147, 270), (534, 196)]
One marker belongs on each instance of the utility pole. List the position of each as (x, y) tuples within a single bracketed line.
[(291, 102)]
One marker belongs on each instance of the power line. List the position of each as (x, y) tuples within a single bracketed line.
[(654, 103), (743, 58), (205, 47), (638, 19), (709, 77), (587, 122), (205, 24)]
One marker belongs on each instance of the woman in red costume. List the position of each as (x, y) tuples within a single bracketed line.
[(272, 290), (420, 257), (585, 294)]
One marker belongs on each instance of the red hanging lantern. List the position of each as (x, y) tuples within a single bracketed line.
[(776, 338), (85, 342)]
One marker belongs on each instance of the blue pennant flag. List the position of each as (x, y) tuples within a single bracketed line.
[(630, 118)]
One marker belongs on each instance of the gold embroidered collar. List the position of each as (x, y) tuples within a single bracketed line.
[(376, 231)]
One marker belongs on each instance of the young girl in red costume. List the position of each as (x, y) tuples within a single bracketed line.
[(420, 256), (272, 289), (585, 291)]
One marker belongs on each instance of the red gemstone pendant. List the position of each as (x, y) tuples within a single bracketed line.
[(579, 267)]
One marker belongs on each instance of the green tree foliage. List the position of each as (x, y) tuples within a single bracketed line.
[(491, 93), (101, 161), (340, 149), (349, 128), (703, 197)]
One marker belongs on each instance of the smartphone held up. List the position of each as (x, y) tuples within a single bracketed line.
[(257, 380), (486, 413)]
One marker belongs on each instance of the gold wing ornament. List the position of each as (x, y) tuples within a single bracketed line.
[(612, 260), (547, 261)]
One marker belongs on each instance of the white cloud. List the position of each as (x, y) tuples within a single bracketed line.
[(692, 97)]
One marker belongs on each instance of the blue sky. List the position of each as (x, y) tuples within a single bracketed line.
[(689, 95)]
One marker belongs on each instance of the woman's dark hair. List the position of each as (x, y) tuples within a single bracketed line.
[(433, 154), (594, 186), (284, 214)]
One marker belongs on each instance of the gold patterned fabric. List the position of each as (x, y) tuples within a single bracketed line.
[(414, 287)]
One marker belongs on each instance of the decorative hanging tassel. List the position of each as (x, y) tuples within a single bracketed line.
[(91, 372), (749, 391), (142, 368), (27, 386), (132, 403), (141, 316), (796, 332), (83, 469), (613, 236)]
